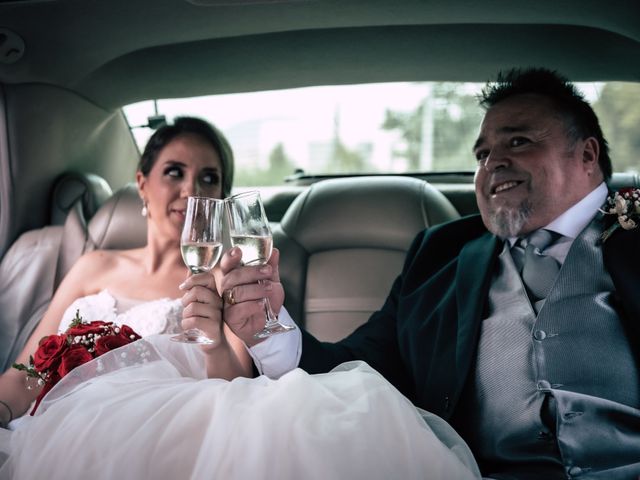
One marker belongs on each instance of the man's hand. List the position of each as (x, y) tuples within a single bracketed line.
[(244, 288)]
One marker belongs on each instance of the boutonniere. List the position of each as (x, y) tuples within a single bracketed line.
[(625, 205)]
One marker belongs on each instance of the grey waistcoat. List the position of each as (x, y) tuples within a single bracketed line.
[(559, 394)]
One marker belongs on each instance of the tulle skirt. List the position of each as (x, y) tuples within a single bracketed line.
[(147, 411)]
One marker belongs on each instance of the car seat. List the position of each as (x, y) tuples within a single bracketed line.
[(118, 224), (343, 241), (29, 271)]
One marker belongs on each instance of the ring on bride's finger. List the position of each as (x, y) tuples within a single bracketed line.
[(228, 297)]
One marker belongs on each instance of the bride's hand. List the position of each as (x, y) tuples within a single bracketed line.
[(244, 310), (202, 306)]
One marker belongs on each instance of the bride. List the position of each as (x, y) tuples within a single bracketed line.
[(185, 158)]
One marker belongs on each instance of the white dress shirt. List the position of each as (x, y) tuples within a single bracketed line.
[(281, 353), (572, 222)]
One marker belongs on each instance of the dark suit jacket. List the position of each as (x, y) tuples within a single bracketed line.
[(425, 337)]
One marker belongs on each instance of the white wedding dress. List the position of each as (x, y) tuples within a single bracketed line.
[(147, 410), (146, 318)]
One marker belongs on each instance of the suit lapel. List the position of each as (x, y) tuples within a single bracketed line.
[(473, 278)]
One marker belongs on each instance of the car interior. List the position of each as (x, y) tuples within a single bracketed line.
[(68, 153)]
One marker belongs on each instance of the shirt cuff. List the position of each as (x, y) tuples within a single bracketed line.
[(279, 353)]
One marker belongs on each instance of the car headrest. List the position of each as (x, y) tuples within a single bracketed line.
[(90, 190), (365, 212), (624, 179), (118, 224)]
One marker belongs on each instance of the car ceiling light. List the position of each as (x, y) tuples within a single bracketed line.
[(11, 46)]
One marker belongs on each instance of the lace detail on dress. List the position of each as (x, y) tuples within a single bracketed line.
[(146, 318)]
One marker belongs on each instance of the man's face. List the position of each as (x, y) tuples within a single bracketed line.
[(529, 172)]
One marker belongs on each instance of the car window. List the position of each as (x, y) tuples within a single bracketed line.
[(371, 128)]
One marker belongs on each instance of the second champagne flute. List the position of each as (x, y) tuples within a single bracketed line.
[(201, 246), (249, 230)]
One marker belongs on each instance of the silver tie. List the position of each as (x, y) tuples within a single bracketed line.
[(538, 271)]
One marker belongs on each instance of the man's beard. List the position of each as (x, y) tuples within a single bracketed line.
[(508, 222)]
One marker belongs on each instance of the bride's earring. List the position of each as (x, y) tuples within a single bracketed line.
[(145, 210)]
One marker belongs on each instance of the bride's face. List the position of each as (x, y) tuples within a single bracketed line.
[(186, 166)]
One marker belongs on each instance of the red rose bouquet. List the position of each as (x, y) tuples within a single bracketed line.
[(57, 355)]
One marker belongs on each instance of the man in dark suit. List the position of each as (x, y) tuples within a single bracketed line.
[(518, 326)]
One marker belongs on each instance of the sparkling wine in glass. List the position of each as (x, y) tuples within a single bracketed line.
[(249, 230), (201, 246)]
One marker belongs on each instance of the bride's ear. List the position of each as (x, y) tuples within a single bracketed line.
[(141, 180)]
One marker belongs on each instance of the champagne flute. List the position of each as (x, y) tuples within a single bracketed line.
[(249, 230), (201, 246)]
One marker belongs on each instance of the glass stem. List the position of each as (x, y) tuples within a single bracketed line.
[(272, 318)]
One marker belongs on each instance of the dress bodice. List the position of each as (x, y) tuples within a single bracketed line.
[(145, 317)]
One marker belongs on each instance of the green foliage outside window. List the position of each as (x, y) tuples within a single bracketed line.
[(618, 108)]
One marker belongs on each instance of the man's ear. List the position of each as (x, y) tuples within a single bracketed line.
[(591, 152)]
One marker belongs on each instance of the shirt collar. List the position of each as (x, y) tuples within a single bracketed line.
[(575, 219)]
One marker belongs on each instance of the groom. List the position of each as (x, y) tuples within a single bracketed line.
[(519, 326)]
